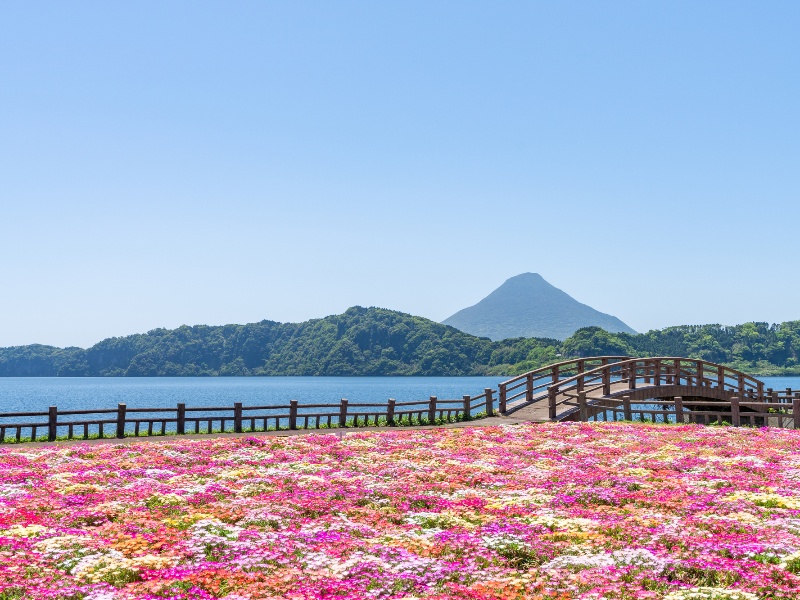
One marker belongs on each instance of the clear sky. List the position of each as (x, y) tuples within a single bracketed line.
[(171, 162)]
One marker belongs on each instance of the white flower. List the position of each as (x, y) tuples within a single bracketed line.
[(710, 593)]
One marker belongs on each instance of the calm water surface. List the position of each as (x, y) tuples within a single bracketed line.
[(18, 394)]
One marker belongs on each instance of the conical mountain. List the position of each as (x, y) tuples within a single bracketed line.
[(528, 306)]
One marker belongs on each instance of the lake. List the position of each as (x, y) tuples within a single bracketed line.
[(18, 394)]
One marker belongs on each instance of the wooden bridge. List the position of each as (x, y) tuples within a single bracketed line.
[(666, 389)]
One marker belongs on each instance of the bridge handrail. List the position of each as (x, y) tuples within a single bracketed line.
[(663, 359), (549, 368), (525, 381)]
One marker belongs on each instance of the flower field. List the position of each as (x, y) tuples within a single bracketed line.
[(531, 511)]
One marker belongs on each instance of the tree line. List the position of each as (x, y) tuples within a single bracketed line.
[(376, 341)]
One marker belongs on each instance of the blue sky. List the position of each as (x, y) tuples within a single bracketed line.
[(164, 163)]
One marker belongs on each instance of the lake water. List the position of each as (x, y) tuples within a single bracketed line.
[(18, 394)]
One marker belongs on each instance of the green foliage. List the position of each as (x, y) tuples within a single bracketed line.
[(377, 341)]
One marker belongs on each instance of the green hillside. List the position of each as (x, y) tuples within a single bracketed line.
[(377, 341), (361, 341)]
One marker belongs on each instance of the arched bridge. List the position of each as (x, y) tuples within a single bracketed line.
[(671, 389)]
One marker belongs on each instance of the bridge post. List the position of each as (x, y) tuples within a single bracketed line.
[(721, 377), (677, 380), (584, 412), (489, 402), (679, 409), (700, 374), (626, 407), (796, 410), (740, 385), (606, 382), (555, 374), (467, 400), (632, 376), (528, 389), (551, 396), (736, 419), (657, 373), (502, 395)]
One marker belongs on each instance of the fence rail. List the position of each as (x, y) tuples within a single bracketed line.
[(124, 422), (785, 413)]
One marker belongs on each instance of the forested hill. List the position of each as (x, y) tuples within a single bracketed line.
[(362, 341), (756, 348), (376, 341)]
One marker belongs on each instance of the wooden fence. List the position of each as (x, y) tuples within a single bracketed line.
[(777, 410), (124, 422)]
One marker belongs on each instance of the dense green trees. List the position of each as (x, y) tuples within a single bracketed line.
[(375, 341)]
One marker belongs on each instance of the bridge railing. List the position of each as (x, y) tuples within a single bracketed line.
[(533, 385), (631, 374)]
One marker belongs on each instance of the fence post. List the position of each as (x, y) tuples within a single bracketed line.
[(121, 408), (528, 392), (736, 420), (626, 407), (181, 426), (796, 410), (551, 396), (584, 413), (237, 417), (679, 409), (343, 413), (390, 411), (503, 394), (52, 423), (431, 410), (292, 414), (467, 402), (489, 402)]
